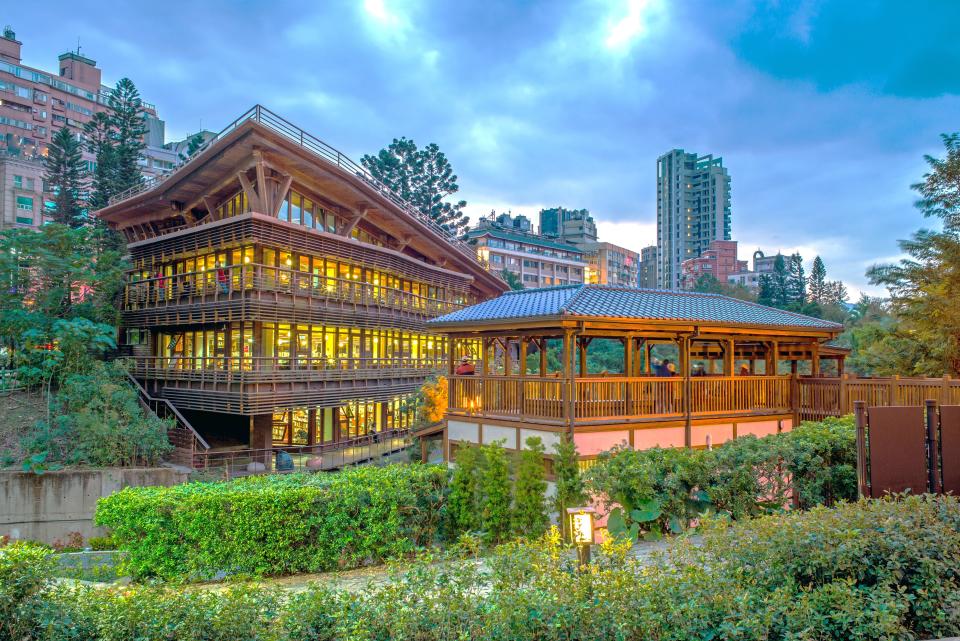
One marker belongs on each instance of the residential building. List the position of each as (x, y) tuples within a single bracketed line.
[(648, 267), (693, 210), (609, 264), (535, 260), (279, 293), (569, 225), (34, 104), (751, 278), (719, 260)]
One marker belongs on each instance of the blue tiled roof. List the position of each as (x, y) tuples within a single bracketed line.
[(632, 303)]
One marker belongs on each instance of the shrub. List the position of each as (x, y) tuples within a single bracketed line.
[(529, 501), (465, 494), (276, 524), (885, 569), (566, 470), (496, 490), (24, 571)]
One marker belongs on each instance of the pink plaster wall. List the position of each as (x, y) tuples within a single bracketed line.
[(760, 428), (658, 437), (591, 443), (718, 434)]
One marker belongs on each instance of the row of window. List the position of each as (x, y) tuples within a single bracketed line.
[(43, 78), (285, 345), (324, 425)]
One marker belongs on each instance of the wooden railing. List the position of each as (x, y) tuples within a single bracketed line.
[(186, 441), (618, 397), (286, 368), (221, 284), (822, 397)]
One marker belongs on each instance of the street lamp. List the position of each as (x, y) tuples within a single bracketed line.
[(581, 530)]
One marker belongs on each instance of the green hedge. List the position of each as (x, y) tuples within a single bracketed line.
[(276, 524), (663, 490), (885, 569)]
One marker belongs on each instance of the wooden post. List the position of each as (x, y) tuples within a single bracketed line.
[(451, 356), (523, 373), (842, 395), (543, 355), (687, 424), (815, 359), (507, 360), (568, 400), (775, 358), (860, 415), (795, 396), (894, 390), (582, 341), (933, 460), (628, 372), (647, 355), (728, 358)]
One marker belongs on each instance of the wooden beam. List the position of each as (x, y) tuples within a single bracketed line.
[(262, 191), (280, 195), (347, 228), (250, 191)]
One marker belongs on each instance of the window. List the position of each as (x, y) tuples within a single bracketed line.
[(18, 181), (25, 203)]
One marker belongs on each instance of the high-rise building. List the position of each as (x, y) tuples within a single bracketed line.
[(279, 293), (570, 225), (693, 209), (609, 264), (719, 260), (648, 267), (34, 104)]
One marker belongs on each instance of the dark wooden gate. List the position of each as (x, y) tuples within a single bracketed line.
[(950, 447)]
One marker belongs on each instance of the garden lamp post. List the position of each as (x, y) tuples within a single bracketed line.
[(581, 531)]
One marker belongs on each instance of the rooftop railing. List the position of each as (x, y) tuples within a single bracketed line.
[(319, 148)]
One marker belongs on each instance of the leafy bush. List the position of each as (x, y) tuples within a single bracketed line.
[(886, 569), (25, 569), (662, 490), (530, 517), (276, 524), (495, 485)]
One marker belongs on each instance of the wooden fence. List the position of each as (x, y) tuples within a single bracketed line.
[(822, 397)]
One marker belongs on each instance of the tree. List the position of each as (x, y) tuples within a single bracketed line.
[(129, 129), (566, 470), (194, 145), (63, 171), (708, 284), (464, 501), (796, 292), (423, 177), (925, 287), (98, 135), (495, 485), (529, 497), (511, 279), (818, 286), (774, 287)]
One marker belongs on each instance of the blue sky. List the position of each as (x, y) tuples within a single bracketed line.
[(821, 110)]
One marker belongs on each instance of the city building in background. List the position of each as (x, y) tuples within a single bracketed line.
[(535, 260), (648, 267), (719, 260), (751, 278), (279, 294), (569, 225), (34, 104), (609, 264), (693, 209)]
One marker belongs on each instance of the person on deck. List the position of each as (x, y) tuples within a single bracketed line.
[(465, 368), (222, 279), (744, 370)]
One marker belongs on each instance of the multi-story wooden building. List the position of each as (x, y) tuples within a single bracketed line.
[(280, 294)]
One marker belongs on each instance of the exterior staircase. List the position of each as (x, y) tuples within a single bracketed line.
[(189, 448)]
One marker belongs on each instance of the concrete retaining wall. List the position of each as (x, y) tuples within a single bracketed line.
[(49, 506)]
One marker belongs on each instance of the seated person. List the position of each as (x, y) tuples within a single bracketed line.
[(465, 368)]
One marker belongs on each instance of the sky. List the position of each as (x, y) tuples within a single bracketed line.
[(821, 111)]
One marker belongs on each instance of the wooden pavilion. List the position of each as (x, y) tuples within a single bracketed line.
[(678, 369)]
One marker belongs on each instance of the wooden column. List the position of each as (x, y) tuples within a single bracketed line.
[(774, 358), (568, 400), (485, 356), (523, 356), (507, 361), (451, 356), (583, 342), (840, 360), (628, 355), (685, 360), (728, 358), (543, 356), (647, 356), (815, 359)]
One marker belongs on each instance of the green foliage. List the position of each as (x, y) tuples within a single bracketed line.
[(98, 420), (569, 484), (660, 491), (870, 570), (511, 279), (423, 177), (495, 487), (25, 569), (464, 502), (529, 501), (708, 284), (64, 174), (276, 524)]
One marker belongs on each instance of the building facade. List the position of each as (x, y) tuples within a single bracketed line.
[(34, 104), (648, 267), (751, 278), (719, 260), (609, 264), (693, 210), (535, 261), (568, 225), (280, 294)]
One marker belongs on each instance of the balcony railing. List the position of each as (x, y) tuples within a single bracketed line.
[(618, 397), (212, 286), (239, 369)]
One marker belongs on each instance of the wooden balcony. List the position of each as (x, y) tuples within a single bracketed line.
[(301, 296), (617, 399)]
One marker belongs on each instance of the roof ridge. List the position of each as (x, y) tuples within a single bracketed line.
[(580, 289), (534, 290)]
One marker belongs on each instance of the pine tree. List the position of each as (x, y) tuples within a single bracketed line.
[(566, 470), (529, 502), (463, 503), (775, 286), (99, 138), (128, 129), (496, 493), (63, 171), (819, 288), (796, 290)]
